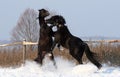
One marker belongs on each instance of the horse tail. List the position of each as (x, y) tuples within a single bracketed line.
[(90, 55)]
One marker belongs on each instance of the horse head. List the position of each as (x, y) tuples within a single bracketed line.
[(56, 20), (43, 13)]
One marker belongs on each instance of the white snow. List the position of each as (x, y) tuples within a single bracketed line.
[(64, 69)]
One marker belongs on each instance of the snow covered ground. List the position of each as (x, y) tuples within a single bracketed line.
[(64, 69)]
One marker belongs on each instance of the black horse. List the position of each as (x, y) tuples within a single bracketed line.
[(75, 45), (45, 39)]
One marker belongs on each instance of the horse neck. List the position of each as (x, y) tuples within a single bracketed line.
[(42, 21), (67, 32)]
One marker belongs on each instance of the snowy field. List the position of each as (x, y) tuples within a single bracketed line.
[(64, 69)]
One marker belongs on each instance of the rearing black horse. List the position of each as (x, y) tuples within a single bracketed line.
[(45, 38), (75, 45)]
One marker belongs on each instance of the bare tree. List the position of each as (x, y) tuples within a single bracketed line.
[(27, 27)]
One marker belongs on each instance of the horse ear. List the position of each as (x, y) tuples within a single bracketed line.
[(42, 10), (62, 20)]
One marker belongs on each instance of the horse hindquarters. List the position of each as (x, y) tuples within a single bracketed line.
[(90, 55)]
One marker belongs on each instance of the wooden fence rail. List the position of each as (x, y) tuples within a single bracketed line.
[(104, 41), (24, 43)]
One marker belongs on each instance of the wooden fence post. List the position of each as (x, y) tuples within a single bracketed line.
[(24, 51)]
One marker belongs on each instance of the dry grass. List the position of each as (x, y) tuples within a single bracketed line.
[(107, 53), (14, 57)]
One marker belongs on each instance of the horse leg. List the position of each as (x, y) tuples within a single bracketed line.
[(37, 59), (40, 57), (80, 57), (80, 54), (52, 58), (77, 54)]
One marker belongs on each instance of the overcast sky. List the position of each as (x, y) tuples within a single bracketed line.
[(83, 17)]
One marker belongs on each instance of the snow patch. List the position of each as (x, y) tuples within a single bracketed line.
[(64, 68)]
